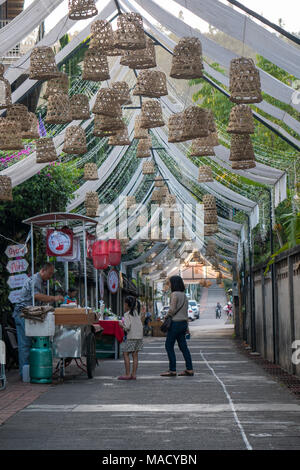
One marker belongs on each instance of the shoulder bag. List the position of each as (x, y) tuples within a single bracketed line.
[(167, 322)]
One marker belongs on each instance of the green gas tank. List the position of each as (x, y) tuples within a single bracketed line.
[(40, 360)]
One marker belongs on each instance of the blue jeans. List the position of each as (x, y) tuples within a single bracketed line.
[(24, 342), (177, 331)]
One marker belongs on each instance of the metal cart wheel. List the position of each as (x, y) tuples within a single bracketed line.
[(90, 355)]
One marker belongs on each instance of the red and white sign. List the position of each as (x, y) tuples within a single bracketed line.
[(59, 242), (113, 281), (16, 251), (17, 266), (14, 296), (15, 282)]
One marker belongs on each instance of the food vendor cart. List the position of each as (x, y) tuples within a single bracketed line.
[(75, 328)]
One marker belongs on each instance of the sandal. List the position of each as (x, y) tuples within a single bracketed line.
[(132, 377), (124, 377), (185, 373), (168, 374)]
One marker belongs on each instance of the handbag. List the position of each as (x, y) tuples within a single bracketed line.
[(168, 321)]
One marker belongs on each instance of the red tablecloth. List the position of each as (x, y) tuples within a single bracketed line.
[(112, 328)]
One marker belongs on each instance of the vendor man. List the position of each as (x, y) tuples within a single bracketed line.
[(24, 342)]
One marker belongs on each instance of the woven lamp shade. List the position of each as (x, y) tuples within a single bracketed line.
[(120, 138), (95, 66), (5, 90), (58, 111), (57, 85), (202, 147), (45, 150), (148, 168), (114, 51), (151, 115), (122, 89), (175, 126), (170, 200), (244, 81), (151, 83), (164, 191), (107, 103), (10, 135), (241, 120), (241, 152), (19, 113), (90, 172), (210, 229), (124, 245), (91, 203), (80, 108), (141, 58), (205, 174), (159, 182), (139, 132), (101, 35), (159, 267), (210, 249), (33, 131), (187, 59), (130, 201), (195, 123), (145, 270), (130, 32), (156, 196), (107, 126), (75, 141), (209, 202), (42, 64), (144, 148), (5, 188), (210, 216), (82, 9)]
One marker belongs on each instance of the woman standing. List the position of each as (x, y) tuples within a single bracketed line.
[(133, 329), (179, 312)]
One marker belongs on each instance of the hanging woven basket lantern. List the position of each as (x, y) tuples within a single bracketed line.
[(244, 81), (159, 182), (105, 126), (33, 131), (202, 147), (91, 203), (58, 111), (57, 85), (90, 172), (19, 113), (187, 59), (164, 191), (114, 51), (241, 120), (130, 201), (170, 200), (42, 64), (5, 188), (5, 90), (122, 89), (241, 152), (195, 123), (107, 103), (95, 66), (130, 32), (210, 216), (144, 148), (151, 115), (139, 132), (120, 138), (210, 248), (205, 174), (124, 245), (79, 107), (75, 141), (151, 83), (175, 126), (209, 202), (140, 59), (101, 35), (82, 9), (45, 150), (210, 229), (156, 196), (148, 168), (10, 135)]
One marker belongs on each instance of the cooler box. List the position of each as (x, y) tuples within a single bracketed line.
[(45, 328)]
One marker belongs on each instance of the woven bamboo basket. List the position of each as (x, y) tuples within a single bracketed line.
[(205, 174), (151, 83), (10, 135), (159, 182), (148, 168), (122, 89), (5, 90), (159, 267), (241, 120), (114, 51), (141, 58), (107, 103), (244, 81), (45, 150), (42, 64), (164, 191), (156, 196), (144, 148), (5, 188), (19, 113), (210, 248), (209, 202), (195, 123), (120, 138), (91, 203), (151, 115), (82, 9), (210, 216), (101, 35), (75, 141), (90, 172), (175, 127), (130, 32), (145, 271), (80, 107), (130, 201), (57, 85), (170, 200), (33, 131), (241, 152), (105, 126), (139, 132), (95, 66), (202, 147), (210, 229), (187, 59), (58, 111)]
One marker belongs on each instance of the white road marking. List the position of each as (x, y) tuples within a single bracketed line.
[(194, 362)]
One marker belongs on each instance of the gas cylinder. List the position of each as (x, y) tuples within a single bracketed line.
[(40, 360)]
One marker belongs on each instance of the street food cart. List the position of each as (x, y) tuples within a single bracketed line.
[(75, 328)]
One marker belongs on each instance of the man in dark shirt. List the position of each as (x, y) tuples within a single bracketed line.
[(24, 342)]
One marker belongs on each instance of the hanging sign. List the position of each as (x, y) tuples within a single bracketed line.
[(59, 242), (16, 251), (17, 266), (113, 281), (75, 256), (101, 285), (17, 281), (15, 296)]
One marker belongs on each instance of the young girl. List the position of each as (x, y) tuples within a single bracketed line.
[(133, 327)]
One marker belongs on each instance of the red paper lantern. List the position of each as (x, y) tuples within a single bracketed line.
[(114, 252), (100, 254)]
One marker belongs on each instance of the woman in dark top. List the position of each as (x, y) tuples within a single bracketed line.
[(179, 312)]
